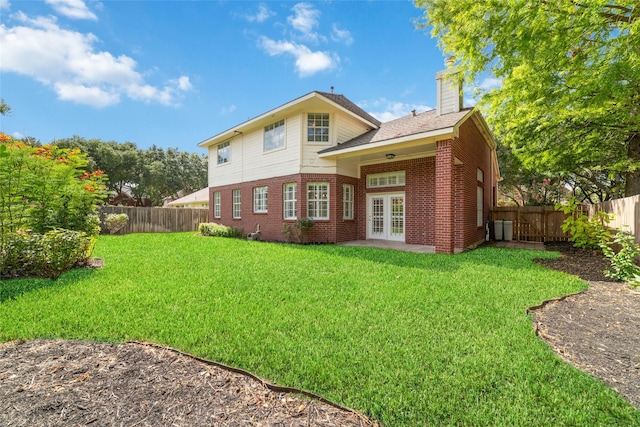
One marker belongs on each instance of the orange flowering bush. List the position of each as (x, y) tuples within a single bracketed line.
[(43, 189)]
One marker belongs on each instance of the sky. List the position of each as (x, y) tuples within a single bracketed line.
[(174, 73)]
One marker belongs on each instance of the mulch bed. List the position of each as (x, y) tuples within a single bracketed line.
[(78, 383), (597, 330), (73, 383)]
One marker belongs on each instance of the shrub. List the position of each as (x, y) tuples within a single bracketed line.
[(585, 233), (25, 253), (218, 230), (287, 231), (623, 265), (115, 222), (303, 225)]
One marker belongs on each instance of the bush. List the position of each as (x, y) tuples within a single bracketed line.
[(25, 253), (218, 230), (585, 233), (116, 222), (623, 265), (303, 225)]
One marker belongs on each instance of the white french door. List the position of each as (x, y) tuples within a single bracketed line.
[(385, 216)]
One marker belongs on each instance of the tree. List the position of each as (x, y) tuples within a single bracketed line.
[(5, 109), (569, 97), (148, 175)]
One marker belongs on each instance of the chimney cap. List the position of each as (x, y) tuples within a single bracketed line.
[(450, 61)]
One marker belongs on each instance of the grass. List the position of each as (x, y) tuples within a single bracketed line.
[(408, 339)]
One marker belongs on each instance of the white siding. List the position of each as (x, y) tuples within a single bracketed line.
[(343, 128), (250, 163)]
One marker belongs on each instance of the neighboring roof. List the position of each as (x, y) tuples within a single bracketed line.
[(200, 196), (339, 100), (402, 127)]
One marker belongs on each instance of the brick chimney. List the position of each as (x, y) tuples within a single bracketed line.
[(448, 91)]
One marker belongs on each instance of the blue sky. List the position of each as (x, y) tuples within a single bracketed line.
[(173, 73)]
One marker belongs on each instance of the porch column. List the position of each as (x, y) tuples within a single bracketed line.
[(445, 185)]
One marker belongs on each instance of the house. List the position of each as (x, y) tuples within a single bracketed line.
[(428, 178), (199, 199)]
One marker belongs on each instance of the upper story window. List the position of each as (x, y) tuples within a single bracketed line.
[(260, 200), (318, 127), (390, 179), (274, 136), (480, 175), (224, 153)]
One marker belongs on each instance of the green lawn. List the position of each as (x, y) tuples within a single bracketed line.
[(408, 339)]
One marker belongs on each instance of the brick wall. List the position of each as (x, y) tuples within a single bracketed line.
[(419, 192), (336, 229), (474, 153)]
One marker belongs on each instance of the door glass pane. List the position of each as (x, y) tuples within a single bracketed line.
[(397, 215), (377, 215)]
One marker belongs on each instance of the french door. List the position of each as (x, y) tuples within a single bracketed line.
[(385, 216)]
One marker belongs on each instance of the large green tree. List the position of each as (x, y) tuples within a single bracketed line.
[(569, 95), (149, 175)]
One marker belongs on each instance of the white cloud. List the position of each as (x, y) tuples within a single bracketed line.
[(228, 110), (490, 83), (5, 5), (262, 15), (17, 135), (74, 9), (67, 61), (386, 110), (308, 62), (89, 95), (340, 35), (305, 20)]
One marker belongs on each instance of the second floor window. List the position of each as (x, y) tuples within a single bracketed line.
[(274, 136), (224, 153), (318, 127)]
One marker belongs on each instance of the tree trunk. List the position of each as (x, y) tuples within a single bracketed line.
[(632, 184)]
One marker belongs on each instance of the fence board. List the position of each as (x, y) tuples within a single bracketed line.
[(157, 220), (533, 223), (627, 213)]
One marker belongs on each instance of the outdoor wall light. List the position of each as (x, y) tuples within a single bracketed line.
[(390, 156)]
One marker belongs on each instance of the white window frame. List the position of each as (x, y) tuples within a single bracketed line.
[(216, 204), (260, 196), (289, 201), (237, 204), (318, 128), (347, 201), (388, 179), (480, 206), (318, 200), (274, 136), (224, 153)]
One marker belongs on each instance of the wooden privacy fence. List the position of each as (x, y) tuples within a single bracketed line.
[(532, 223), (626, 211), (157, 220)]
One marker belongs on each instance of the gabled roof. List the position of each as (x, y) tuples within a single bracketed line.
[(339, 101), (403, 127), (346, 103)]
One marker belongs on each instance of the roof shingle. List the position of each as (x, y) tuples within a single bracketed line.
[(404, 126)]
